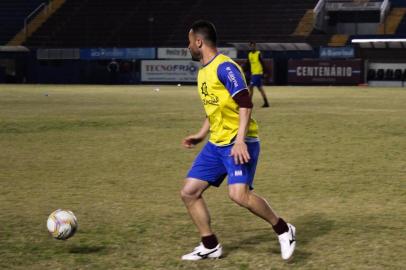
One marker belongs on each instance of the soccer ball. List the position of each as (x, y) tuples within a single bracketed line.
[(62, 224)]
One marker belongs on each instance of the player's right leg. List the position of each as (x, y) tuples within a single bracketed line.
[(240, 185), (191, 194), (207, 166)]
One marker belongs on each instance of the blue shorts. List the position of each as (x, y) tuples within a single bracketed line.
[(214, 163), (256, 80)]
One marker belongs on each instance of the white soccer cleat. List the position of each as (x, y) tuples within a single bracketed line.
[(288, 242), (200, 253)]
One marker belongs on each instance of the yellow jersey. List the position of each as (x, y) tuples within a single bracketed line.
[(255, 63), (218, 81)]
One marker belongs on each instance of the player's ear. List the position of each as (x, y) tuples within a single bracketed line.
[(199, 43)]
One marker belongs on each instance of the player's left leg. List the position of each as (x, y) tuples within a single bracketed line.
[(240, 182), (243, 196)]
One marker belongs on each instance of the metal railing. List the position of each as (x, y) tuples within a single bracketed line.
[(319, 14), (385, 8), (42, 7), (319, 6)]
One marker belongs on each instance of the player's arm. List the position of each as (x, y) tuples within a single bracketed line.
[(264, 67), (240, 149), (233, 80), (247, 66), (191, 140)]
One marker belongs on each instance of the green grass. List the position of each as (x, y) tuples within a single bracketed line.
[(333, 163)]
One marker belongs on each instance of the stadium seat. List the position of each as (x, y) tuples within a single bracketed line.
[(398, 75), (371, 74), (380, 74), (389, 75)]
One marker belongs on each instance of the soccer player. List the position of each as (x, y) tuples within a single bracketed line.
[(232, 149), (256, 65)]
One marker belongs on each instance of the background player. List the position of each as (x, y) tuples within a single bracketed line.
[(257, 66), (233, 147)]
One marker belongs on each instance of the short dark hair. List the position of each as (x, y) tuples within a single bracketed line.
[(252, 42), (206, 29)]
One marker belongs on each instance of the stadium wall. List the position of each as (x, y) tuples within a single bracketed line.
[(141, 65), (14, 66), (91, 65)]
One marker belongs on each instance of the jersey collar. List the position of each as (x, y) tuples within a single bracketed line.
[(211, 60)]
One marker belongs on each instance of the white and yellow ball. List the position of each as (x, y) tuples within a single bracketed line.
[(62, 224)]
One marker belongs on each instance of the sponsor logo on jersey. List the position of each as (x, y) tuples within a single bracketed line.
[(231, 76), (207, 97)]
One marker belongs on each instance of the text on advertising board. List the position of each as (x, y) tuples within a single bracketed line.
[(316, 71), (169, 71)]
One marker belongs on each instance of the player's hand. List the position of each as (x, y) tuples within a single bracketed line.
[(240, 153), (190, 141)]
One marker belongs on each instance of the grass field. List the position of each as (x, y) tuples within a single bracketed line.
[(333, 163)]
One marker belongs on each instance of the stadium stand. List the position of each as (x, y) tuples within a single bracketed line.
[(402, 27), (400, 5), (386, 75), (12, 15), (104, 23)]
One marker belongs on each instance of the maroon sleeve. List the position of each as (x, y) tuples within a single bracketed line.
[(243, 99)]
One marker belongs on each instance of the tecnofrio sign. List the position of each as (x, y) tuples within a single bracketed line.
[(169, 71)]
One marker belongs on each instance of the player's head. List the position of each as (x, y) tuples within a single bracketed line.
[(253, 45), (202, 34)]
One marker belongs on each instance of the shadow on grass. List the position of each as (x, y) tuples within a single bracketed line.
[(312, 226), (308, 227), (86, 249)]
